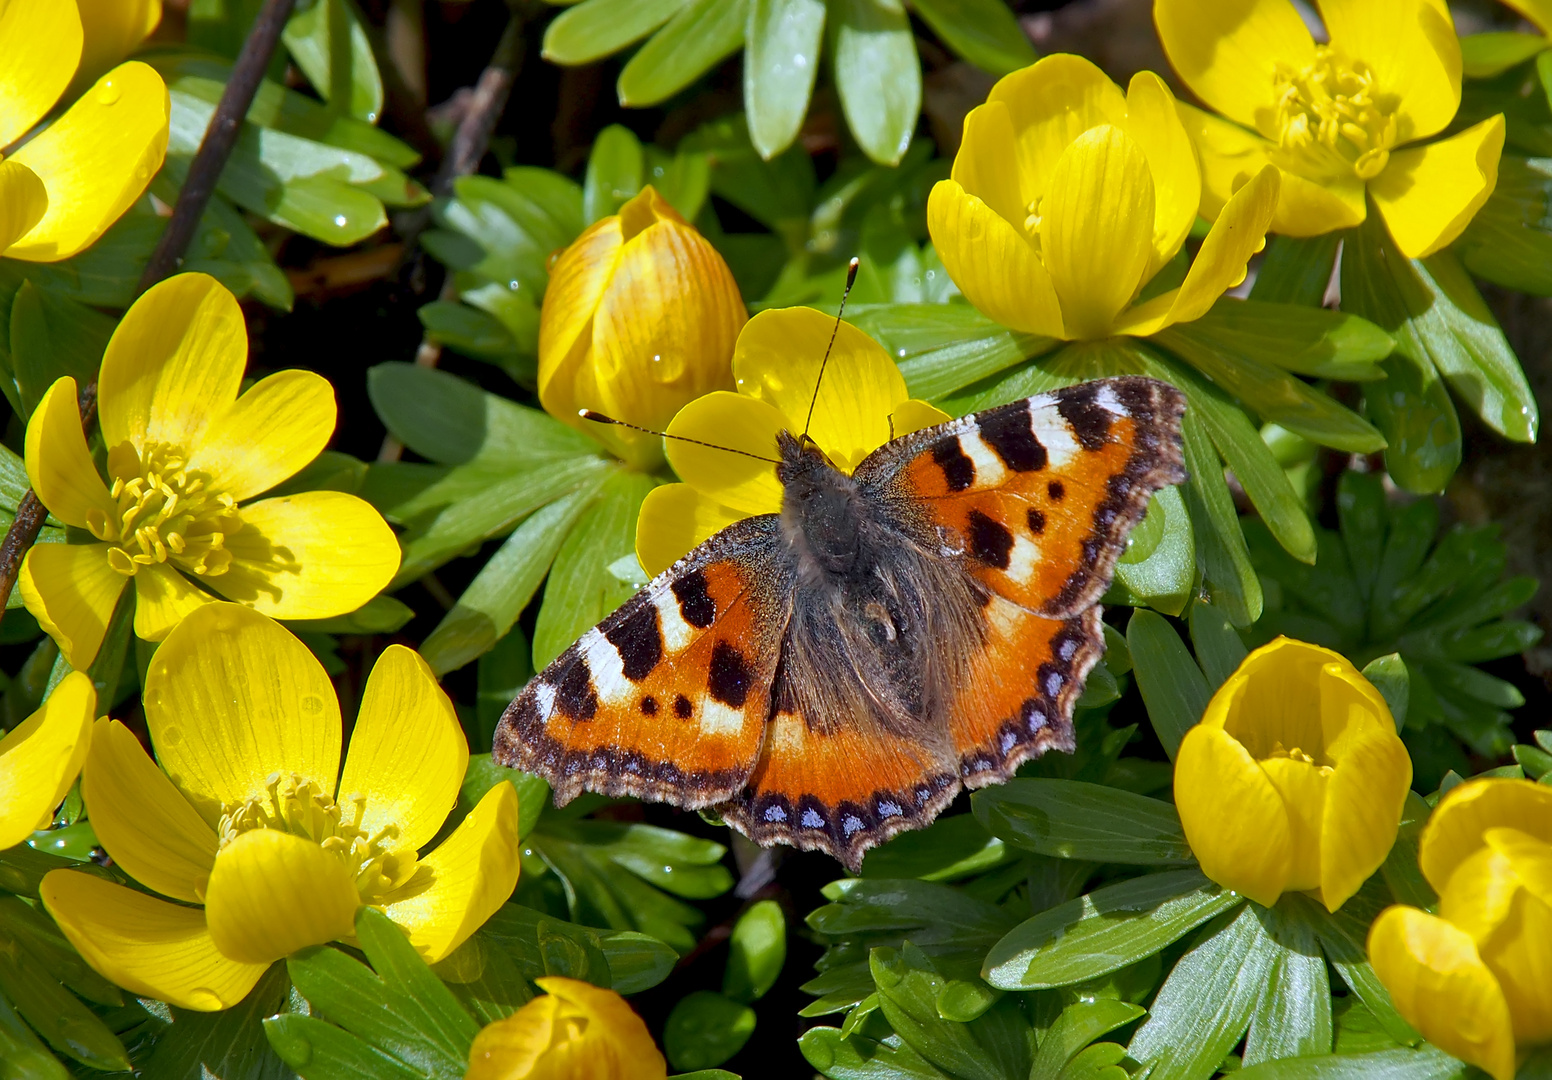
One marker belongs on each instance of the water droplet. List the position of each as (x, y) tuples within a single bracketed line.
[(107, 92), (514, 284), (668, 869), (371, 118), (900, 353), (339, 221), (312, 703), (799, 61), (656, 358)]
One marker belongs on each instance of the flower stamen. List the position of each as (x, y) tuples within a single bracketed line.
[(1330, 121), (164, 512)]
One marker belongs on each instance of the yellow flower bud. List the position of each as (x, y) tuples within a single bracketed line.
[(574, 1030), (1294, 779), (1476, 979), (639, 318)]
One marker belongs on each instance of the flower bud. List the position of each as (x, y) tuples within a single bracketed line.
[(575, 1029), (639, 318), (1295, 777)]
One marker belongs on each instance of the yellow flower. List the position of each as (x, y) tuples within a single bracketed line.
[(1476, 979), (862, 404), (40, 757), (1295, 777), (1339, 120), (574, 1030), (62, 189), (185, 456), (639, 318), (111, 30), (1067, 197), (248, 821)]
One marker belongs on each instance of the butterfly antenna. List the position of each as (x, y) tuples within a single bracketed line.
[(600, 418), (851, 279)]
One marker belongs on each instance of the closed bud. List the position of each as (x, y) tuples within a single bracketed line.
[(573, 1030)]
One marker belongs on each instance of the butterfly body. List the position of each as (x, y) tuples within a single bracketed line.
[(833, 674)]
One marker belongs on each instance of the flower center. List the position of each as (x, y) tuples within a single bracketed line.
[(301, 808), (1330, 121), (1296, 754), (164, 511)]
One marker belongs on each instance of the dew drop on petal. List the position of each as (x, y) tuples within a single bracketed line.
[(107, 92)]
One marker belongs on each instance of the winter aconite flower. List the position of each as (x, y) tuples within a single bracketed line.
[(1476, 979), (574, 1030), (62, 188), (639, 317), (1068, 197), (186, 456), (862, 404), (1342, 121), (248, 821), (1294, 779), (40, 757)]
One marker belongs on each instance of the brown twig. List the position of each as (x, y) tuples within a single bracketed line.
[(200, 184)]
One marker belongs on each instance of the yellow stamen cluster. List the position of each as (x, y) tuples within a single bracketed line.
[(1296, 754), (164, 511), (301, 808), (1331, 121)]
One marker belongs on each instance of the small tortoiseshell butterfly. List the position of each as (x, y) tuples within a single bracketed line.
[(832, 675)]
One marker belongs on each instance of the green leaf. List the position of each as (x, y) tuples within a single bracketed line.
[(683, 179), (52, 336), (952, 847), (318, 1050), (1221, 553), (1105, 930), (984, 32), (596, 28), (1344, 938), (1390, 677), (1162, 578), (230, 1044), (854, 1057), (467, 330), (533, 793), (1078, 1025), (1426, 1063), (699, 36), (1492, 53), (486, 980), (1509, 241), (581, 589), (501, 590), (22, 1052), (1069, 819), (1292, 1017), (676, 862), (614, 170), (781, 58), (1296, 270), (1207, 1002), (757, 951), (877, 75), (502, 674), (625, 961), (27, 979), (1219, 648), (943, 347), (908, 991), (1307, 340), (1172, 686), (330, 45), (704, 1029)]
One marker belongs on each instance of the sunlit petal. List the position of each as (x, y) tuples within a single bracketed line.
[(1233, 817), (146, 945), (113, 29), (674, 520), (1364, 798), (1228, 51), (58, 463), (982, 167), (231, 698), (150, 830), (993, 263), (1480, 894), (41, 43), (1537, 11), (1411, 47), (1153, 123), (267, 435), (913, 415), (272, 893), (1429, 194), (736, 422), (1302, 787), (71, 590), (1441, 987), (1456, 827), (1051, 103), (40, 757), (464, 880), (162, 598), (1520, 955), (23, 202), (407, 753)]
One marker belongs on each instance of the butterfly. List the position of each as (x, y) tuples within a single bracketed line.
[(834, 674)]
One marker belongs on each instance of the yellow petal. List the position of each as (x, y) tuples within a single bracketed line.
[(914, 415), (1538, 12), (1520, 955), (1271, 703), (983, 168), (1239, 233), (23, 202), (113, 29), (1096, 229), (1302, 787), (312, 555), (778, 361), (150, 830), (272, 893), (163, 597), (736, 422), (1228, 52), (1429, 194), (146, 945), (40, 757), (1457, 826), (1529, 857), (513, 1046), (96, 160), (1441, 987), (574, 1029), (71, 590), (463, 881), (407, 753), (1050, 103), (175, 361), (1233, 817), (1153, 123), (1480, 894), (577, 282), (1231, 156), (1364, 798), (268, 434), (231, 698), (58, 463), (1411, 47), (673, 521), (992, 262), (41, 43)]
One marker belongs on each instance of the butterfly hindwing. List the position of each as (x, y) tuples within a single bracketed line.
[(667, 698)]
